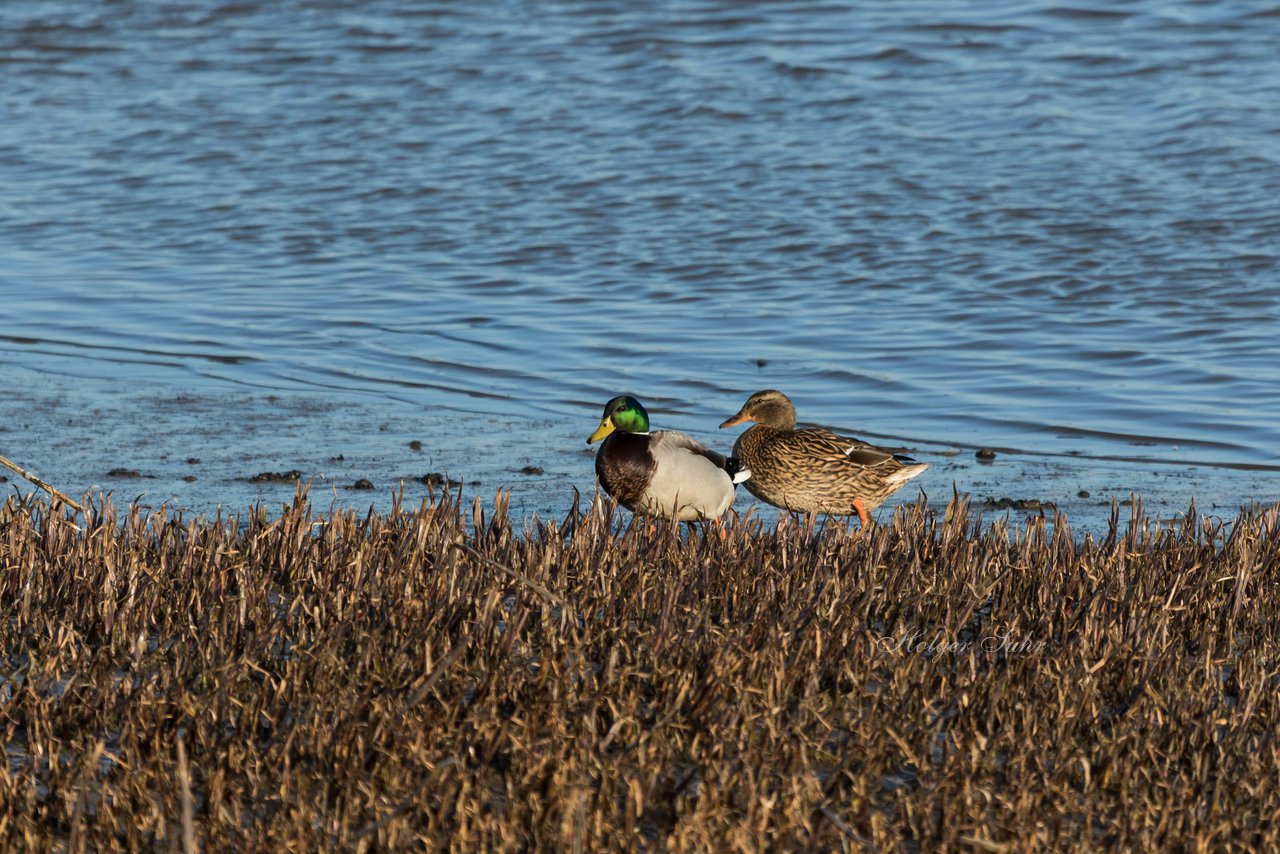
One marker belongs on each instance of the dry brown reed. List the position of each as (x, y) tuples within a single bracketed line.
[(453, 678), (61, 496)]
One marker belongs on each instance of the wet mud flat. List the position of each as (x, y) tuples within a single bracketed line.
[(450, 672), (202, 452)]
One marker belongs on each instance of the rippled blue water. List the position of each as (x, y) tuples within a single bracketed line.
[(1049, 228)]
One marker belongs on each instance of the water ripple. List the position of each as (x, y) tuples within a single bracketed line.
[(1048, 228)]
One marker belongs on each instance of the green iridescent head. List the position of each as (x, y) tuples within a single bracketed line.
[(623, 414)]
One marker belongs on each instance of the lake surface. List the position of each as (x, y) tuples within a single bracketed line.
[(299, 235)]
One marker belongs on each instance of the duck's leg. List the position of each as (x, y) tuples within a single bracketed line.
[(720, 529), (863, 516)]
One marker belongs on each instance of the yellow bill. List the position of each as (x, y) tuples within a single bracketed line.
[(605, 428)]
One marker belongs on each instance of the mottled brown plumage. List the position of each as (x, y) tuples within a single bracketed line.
[(813, 470)]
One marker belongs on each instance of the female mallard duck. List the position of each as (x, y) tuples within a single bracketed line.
[(663, 472), (814, 470)]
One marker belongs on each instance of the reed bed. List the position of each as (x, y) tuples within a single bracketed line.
[(446, 677)]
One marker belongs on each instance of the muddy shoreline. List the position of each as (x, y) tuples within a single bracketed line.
[(201, 454)]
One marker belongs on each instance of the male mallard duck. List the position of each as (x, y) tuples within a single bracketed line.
[(662, 472), (813, 470)]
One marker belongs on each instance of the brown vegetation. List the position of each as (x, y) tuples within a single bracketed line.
[(441, 676)]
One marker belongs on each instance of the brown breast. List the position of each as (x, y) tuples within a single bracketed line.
[(624, 467)]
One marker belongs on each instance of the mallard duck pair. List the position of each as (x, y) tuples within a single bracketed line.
[(809, 471)]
